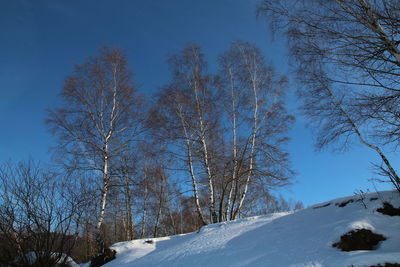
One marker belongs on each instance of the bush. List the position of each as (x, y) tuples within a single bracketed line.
[(101, 259), (361, 239)]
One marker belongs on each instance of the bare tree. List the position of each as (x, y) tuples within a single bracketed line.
[(348, 65), (126, 179), (127, 175), (258, 122), (40, 215), (186, 113), (161, 183), (145, 196), (99, 120), (223, 164)]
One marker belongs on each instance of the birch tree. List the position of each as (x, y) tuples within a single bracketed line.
[(258, 123), (174, 121), (187, 113), (99, 119), (223, 165), (127, 175), (348, 64)]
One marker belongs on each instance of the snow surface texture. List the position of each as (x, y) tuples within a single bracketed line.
[(299, 239), (31, 258)]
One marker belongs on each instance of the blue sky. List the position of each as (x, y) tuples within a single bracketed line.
[(41, 40)]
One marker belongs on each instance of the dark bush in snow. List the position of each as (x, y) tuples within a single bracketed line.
[(101, 259), (387, 264), (344, 204), (361, 239), (388, 209), (322, 206)]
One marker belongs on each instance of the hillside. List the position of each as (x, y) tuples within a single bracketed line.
[(297, 239)]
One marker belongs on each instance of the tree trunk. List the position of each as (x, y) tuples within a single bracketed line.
[(234, 148), (253, 141), (191, 169), (128, 210), (160, 204), (144, 214), (104, 191), (213, 214)]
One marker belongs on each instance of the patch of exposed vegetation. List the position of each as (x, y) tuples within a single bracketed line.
[(344, 203), (323, 206), (388, 209), (361, 239), (387, 264), (101, 259)]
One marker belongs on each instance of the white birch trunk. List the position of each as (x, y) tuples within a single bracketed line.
[(191, 168), (105, 174), (199, 110), (213, 215), (160, 204), (144, 214), (104, 190), (228, 211), (253, 74)]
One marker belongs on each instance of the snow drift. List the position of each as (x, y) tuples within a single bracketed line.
[(296, 239)]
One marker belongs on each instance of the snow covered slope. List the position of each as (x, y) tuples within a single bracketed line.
[(299, 239)]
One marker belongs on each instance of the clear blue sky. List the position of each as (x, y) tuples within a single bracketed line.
[(41, 40)]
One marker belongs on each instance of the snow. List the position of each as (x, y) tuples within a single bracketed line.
[(297, 239), (31, 258)]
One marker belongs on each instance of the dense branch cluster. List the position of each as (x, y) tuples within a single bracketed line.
[(348, 64), (229, 127)]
